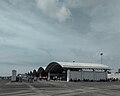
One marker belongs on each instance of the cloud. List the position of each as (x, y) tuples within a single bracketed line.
[(54, 9), (28, 37)]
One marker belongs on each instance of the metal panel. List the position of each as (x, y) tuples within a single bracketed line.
[(88, 75), (100, 76), (75, 75)]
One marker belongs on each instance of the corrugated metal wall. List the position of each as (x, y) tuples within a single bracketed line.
[(88, 75)]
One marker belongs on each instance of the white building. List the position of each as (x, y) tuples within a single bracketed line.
[(77, 71), (13, 78), (114, 76)]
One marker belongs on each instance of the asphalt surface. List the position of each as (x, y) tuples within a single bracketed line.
[(57, 88)]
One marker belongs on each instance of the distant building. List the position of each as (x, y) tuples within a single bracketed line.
[(13, 78), (119, 70), (114, 76), (77, 71)]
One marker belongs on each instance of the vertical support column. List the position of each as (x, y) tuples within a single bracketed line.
[(106, 75), (48, 75), (82, 74), (68, 75), (40, 76), (94, 75)]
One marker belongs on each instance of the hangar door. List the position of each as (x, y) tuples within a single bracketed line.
[(100, 75), (88, 75), (75, 75)]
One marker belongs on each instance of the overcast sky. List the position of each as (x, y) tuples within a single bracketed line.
[(35, 32)]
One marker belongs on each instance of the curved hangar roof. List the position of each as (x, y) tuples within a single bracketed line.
[(60, 65), (82, 65)]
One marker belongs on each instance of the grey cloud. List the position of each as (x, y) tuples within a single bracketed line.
[(31, 38), (54, 9)]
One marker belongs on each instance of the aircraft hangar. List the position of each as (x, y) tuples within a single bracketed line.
[(69, 71)]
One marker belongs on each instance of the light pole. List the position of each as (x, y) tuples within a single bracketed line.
[(101, 56)]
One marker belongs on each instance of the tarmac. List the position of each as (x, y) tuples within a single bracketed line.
[(59, 88)]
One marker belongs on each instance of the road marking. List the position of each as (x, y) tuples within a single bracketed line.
[(8, 83), (38, 92), (16, 93)]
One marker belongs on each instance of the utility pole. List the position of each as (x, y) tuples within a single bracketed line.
[(101, 57)]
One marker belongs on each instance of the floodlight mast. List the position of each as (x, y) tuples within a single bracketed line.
[(101, 54)]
